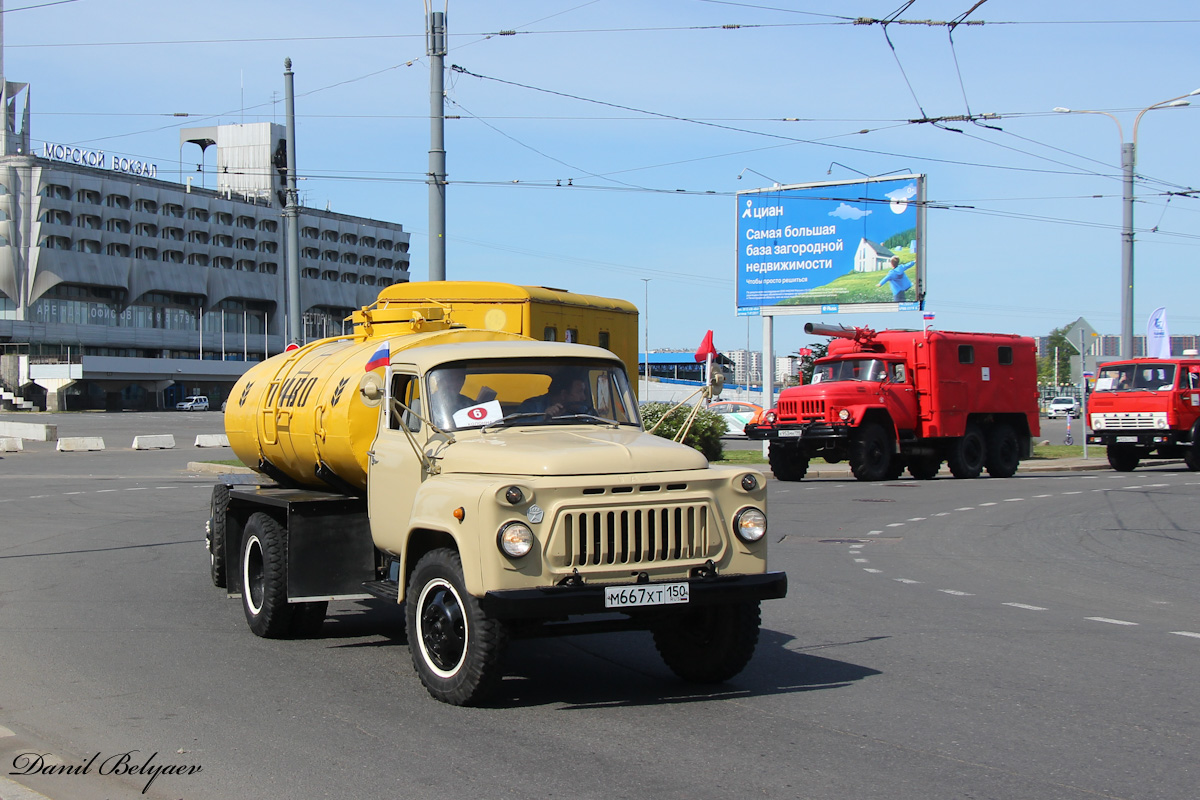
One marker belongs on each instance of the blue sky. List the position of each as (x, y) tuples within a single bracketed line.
[(647, 112)]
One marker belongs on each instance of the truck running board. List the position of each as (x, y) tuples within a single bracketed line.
[(384, 590)]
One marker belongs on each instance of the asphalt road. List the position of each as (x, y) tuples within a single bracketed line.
[(1035, 637)]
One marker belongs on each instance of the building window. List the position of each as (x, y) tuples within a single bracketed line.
[(246, 222), (367, 261), (173, 234), (116, 201), (367, 280), (966, 354), (329, 275), (268, 247), (172, 256), (147, 206), (550, 334), (197, 259), (56, 217), (88, 246), (310, 272), (222, 240), (146, 253), (245, 244), (349, 277), (385, 244), (350, 239), (268, 225), (223, 262), (116, 249), (310, 233), (198, 214), (87, 222), (117, 225), (269, 267), (402, 247), (246, 265), (55, 243), (172, 210), (87, 196), (310, 253), (197, 237), (145, 229), (56, 191), (385, 263), (329, 255), (349, 258), (329, 236)]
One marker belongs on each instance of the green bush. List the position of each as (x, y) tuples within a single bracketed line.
[(705, 434)]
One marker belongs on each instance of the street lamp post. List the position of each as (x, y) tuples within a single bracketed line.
[(1128, 162), (646, 306)]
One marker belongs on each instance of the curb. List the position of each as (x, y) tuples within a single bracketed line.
[(205, 468)]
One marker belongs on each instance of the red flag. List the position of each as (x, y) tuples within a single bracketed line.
[(706, 349)]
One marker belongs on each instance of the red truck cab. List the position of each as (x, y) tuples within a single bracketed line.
[(1147, 406)]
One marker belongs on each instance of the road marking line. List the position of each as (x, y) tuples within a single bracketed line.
[(136, 489), (1187, 633), (1043, 495), (917, 519), (1131, 487), (905, 580), (1015, 500), (102, 491), (895, 524), (965, 508), (1072, 492), (1110, 621), (1027, 608), (874, 533), (5, 732), (862, 561), (70, 493), (876, 571), (981, 505), (956, 593), (942, 514)]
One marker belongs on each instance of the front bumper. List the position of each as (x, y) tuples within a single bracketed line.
[(559, 601), (1148, 439), (798, 432)]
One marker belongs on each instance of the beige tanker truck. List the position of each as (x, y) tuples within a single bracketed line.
[(448, 457)]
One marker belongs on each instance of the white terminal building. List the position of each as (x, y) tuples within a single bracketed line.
[(122, 288)]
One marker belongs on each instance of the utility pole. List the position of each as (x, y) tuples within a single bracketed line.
[(291, 211), (435, 36)]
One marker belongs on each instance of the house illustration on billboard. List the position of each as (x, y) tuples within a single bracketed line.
[(871, 257)]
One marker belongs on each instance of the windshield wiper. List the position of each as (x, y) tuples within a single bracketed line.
[(509, 419), (588, 417)]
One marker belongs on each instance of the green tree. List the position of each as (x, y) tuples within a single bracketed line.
[(819, 350), (1058, 339)]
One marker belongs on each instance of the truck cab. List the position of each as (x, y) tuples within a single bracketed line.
[(1144, 407)]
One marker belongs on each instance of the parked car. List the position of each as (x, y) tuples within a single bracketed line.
[(1063, 406), (196, 402), (736, 415)]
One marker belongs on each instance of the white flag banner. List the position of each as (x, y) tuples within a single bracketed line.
[(1158, 338)]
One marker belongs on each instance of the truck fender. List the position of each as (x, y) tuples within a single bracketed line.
[(433, 516)]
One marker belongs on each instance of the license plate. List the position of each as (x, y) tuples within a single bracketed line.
[(658, 594), (793, 434), (1127, 439)]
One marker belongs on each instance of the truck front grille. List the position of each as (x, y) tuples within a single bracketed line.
[(635, 535), (1129, 421), (792, 409)]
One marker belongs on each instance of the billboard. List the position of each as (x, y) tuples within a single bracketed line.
[(824, 248)]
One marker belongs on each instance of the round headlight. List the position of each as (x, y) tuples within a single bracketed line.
[(515, 539), (749, 482), (844, 414), (769, 418), (750, 524)]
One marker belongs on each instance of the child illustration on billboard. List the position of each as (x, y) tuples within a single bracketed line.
[(897, 280)]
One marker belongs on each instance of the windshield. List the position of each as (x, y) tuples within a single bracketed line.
[(472, 394), (852, 369), (1126, 377)]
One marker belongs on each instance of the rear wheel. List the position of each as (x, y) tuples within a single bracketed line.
[(788, 462), (1003, 451), (709, 644), (216, 534), (456, 648), (924, 468), (264, 577), (871, 453), (1123, 458), (967, 454)]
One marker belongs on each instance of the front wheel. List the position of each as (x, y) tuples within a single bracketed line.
[(709, 644), (456, 648), (1003, 451), (871, 453), (1123, 458), (788, 462)]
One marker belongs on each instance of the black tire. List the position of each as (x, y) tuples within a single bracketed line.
[(896, 469), (924, 468), (788, 462), (1123, 458), (968, 454), (456, 648), (1191, 457), (709, 644), (1003, 451), (871, 453), (264, 578), (216, 534)]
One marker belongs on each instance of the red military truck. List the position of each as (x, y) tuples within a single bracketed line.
[(1147, 406), (901, 398)]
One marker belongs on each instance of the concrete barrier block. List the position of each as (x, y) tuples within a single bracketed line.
[(212, 440), (163, 441), (29, 430), (80, 444), (11, 444)]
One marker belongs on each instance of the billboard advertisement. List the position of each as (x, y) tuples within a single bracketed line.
[(825, 248)]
